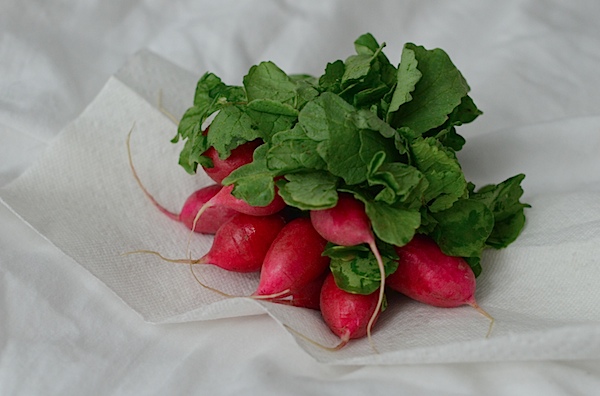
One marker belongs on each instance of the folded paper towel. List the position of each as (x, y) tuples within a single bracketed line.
[(542, 290)]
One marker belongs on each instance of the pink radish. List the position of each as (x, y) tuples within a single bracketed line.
[(293, 260), (240, 244), (239, 156), (224, 199), (307, 296), (428, 275), (212, 219), (347, 315), (347, 224)]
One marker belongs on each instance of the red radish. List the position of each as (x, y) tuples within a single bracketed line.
[(212, 219), (224, 199), (347, 224), (307, 296), (428, 275), (347, 315), (240, 244), (293, 260), (239, 156)]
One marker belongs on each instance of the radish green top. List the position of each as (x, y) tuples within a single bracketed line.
[(385, 133)]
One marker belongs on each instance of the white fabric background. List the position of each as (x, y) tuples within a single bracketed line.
[(529, 63)]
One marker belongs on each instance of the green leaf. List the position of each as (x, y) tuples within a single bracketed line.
[(451, 139), (307, 89), (504, 202), (327, 120), (446, 134), (309, 190), (212, 92), (191, 154), (270, 106), (231, 127), (267, 81), (357, 68), (391, 224), (407, 77), (254, 181), (331, 80), (345, 252), (211, 95), (401, 182), (475, 264), (293, 151), (269, 124), (462, 230), (360, 274), (349, 252), (366, 44), (446, 181), (440, 89), (365, 119)]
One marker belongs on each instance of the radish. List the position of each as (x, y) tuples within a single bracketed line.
[(428, 275), (239, 156), (293, 260), (307, 296), (347, 224), (212, 219), (224, 199), (239, 245), (242, 242), (348, 315)]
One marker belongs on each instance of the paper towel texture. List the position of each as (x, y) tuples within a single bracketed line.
[(542, 290)]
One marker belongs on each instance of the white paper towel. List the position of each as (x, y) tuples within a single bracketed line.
[(542, 290)]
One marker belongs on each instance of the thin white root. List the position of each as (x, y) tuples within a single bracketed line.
[(343, 341), (203, 209), (222, 293), (139, 181), (377, 255), (179, 261), (163, 110), (484, 313)]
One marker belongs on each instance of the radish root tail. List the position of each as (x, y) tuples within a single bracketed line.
[(178, 261), (222, 293), (344, 340), (377, 255), (139, 181), (474, 304), (163, 110)]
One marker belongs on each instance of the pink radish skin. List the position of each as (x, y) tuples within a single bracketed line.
[(428, 275), (308, 296), (239, 156), (293, 260), (242, 242), (211, 219), (347, 224), (347, 315), (225, 199)]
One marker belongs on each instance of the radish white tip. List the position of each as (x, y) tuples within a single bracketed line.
[(474, 304), (163, 110), (377, 255), (343, 340)]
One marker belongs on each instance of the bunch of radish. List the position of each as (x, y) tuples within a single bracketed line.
[(342, 188)]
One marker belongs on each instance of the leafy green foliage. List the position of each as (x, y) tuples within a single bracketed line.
[(355, 269), (383, 132)]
